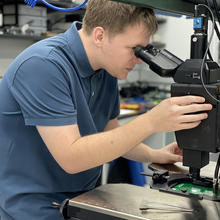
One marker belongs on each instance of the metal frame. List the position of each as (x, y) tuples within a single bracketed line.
[(174, 6)]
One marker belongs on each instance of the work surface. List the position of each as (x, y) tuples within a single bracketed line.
[(123, 201)]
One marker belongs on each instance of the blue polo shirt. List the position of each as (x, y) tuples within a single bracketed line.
[(51, 83)]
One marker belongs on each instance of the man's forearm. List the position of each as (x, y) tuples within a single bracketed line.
[(90, 151), (141, 153), (108, 145)]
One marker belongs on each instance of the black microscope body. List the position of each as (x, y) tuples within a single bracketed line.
[(198, 142)]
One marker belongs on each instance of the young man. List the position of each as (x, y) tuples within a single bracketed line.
[(59, 107)]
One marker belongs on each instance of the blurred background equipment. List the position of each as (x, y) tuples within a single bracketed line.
[(17, 15)]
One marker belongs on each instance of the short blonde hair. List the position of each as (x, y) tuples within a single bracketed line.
[(114, 17)]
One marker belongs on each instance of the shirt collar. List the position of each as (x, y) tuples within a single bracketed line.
[(78, 51)]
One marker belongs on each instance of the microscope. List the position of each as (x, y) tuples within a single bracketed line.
[(199, 76)]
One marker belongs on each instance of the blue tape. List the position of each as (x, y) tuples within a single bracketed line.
[(197, 23)]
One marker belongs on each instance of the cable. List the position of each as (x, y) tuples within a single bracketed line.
[(217, 31), (32, 3), (209, 52), (204, 57), (216, 177), (216, 9), (210, 55), (217, 14)]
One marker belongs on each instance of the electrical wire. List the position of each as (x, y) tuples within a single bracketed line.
[(205, 55), (216, 177), (217, 14), (32, 3), (209, 52), (210, 55), (216, 174), (216, 10)]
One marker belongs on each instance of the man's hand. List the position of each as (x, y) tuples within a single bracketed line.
[(178, 113), (168, 154)]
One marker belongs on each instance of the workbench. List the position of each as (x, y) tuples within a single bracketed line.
[(123, 201)]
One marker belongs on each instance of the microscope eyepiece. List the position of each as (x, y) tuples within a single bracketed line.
[(161, 62)]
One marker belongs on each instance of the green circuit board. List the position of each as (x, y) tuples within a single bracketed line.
[(194, 189)]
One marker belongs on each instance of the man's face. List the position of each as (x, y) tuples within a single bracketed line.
[(118, 50)]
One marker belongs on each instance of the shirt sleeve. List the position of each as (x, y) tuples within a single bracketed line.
[(42, 90)]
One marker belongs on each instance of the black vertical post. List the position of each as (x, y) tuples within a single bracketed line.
[(199, 38)]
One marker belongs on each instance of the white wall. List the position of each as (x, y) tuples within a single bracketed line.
[(176, 33)]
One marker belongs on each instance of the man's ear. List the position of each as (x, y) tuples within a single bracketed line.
[(99, 35)]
